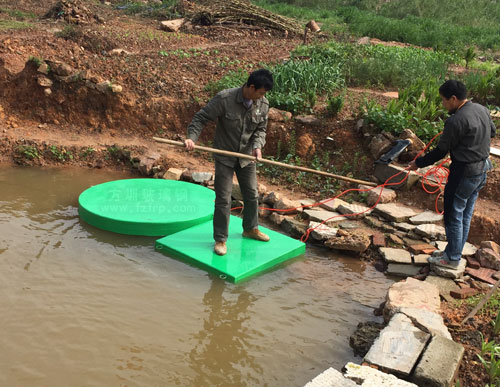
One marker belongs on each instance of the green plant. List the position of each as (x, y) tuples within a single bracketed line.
[(469, 56), (28, 151), (60, 154), (34, 59), (335, 104), (87, 152)]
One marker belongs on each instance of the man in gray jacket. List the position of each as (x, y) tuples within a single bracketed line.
[(241, 115), (466, 136)]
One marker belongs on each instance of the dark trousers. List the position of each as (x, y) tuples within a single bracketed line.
[(223, 187)]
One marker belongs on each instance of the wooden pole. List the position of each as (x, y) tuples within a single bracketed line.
[(265, 161), (482, 302)]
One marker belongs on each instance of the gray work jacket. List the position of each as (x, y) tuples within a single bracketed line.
[(238, 129)]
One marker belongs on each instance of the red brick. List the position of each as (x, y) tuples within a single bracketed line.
[(463, 293), (423, 248), (482, 274), (472, 262), (378, 239)]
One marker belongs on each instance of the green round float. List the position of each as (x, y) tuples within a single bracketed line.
[(151, 207)]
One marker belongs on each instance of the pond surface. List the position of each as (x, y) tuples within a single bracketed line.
[(85, 307)]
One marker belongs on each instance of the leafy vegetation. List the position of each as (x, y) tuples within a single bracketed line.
[(13, 25), (29, 152), (167, 9)]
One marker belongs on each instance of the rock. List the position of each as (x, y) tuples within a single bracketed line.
[(396, 240), (469, 248), (427, 321), (355, 211), (103, 87), (398, 347), (389, 173), (371, 377), (491, 245), (391, 255), (383, 195), (411, 293), (43, 68), (482, 274), (331, 204), (116, 89), (201, 177), (365, 40), (421, 259), (308, 120), (402, 269), (431, 231), (331, 377), (472, 262), (488, 258), (379, 145), (431, 370), (290, 206), (349, 225), (60, 68), (450, 273), (322, 216), (261, 189), (293, 227), (426, 217), (171, 25), (305, 146), (264, 213), (321, 232), (43, 81), (276, 218), (173, 174), (373, 221), (236, 191), (444, 285), (119, 52), (278, 115), (394, 212), (272, 198), (47, 92), (422, 248), (351, 242), (406, 227), (146, 163), (416, 143), (364, 336)]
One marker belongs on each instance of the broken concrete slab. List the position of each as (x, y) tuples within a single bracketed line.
[(411, 293), (403, 226), (331, 378), (448, 272), (349, 225), (395, 176), (392, 255), (421, 259), (422, 248), (329, 217), (293, 227), (402, 270), (287, 206), (395, 212), (351, 242), (444, 285), (331, 204), (370, 377), (483, 274), (427, 321), (469, 248), (322, 232), (431, 231), (426, 217), (173, 174), (171, 25), (354, 211), (431, 370), (380, 194), (398, 346)]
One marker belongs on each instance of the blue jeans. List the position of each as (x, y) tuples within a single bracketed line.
[(457, 221)]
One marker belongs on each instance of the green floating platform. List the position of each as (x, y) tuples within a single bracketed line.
[(152, 207), (245, 257)]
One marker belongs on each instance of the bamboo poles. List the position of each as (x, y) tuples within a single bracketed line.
[(265, 161)]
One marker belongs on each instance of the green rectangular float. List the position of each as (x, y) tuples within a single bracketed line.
[(245, 257)]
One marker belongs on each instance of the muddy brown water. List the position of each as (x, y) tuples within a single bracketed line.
[(85, 307)]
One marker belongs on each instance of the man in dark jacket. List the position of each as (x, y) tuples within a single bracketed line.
[(241, 115), (466, 136)]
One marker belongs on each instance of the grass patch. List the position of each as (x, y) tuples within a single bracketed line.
[(14, 25), (167, 9)]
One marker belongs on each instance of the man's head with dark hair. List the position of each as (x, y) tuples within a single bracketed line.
[(261, 79), (258, 83), (453, 94)]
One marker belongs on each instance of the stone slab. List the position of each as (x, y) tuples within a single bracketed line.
[(448, 272), (482, 274), (331, 204), (445, 286), (420, 259), (328, 217), (398, 346), (427, 321), (426, 217), (321, 232), (461, 294), (469, 248), (402, 270), (412, 293), (378, 239), (392, 255), (349, 224), (431, 231), (422, 248), (403, 226), (395, 212), (472, 262), (331, 378), (432, 370), (380, 194), (354, 211), (370, 377), (394, 176)]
